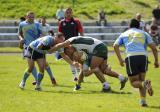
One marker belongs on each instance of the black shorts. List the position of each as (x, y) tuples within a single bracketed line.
[(101, 51), (32, 54), (136, 64)]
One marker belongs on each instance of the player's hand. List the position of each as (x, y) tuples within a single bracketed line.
[(156, 64), (21, 42), (96, 69), (76, 64), (122, 62)]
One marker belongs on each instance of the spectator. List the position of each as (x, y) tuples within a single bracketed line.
[(142, 23), (156, 14), (46, 29), (71, 27), (22, 19), (102, 18), (154, 32), (60, 13)]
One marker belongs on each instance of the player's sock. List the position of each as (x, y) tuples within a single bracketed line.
[(106, 85), (34, 73), (39, 79), (78, 71), (48, 69), (26, 75), (73, 71), (121, 77), (143, 101)]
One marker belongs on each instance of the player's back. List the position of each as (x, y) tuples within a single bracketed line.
[(135, 41), (46, 41), (85, 43)]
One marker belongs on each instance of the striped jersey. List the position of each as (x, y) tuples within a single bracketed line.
[(84, 43)]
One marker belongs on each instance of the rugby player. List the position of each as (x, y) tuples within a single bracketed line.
[(97, 49), (135, 42), (28, 31), (36, 52)]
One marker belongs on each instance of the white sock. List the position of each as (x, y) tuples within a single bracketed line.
[(73, 69), (121, 77), (106, 85), (78, 71)]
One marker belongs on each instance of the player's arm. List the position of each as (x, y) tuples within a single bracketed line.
[(58, 46), (80, 28), (68, 60), (117, 51), (152, 45), (155, 54), (116, 45), (20, 36)]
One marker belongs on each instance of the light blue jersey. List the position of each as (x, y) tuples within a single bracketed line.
[(135, 41), (46, 41), (30, 31)]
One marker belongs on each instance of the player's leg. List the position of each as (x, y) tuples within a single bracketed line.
[(133, 65), (107, 70), (27, 73), (41, 66), (26, 53), (48, 69), (80, 80), (95, 63), (34, 73), (137, 83), (74, 73), (69, 52)]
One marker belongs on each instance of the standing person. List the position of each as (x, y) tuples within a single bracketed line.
[(71, 27), (154, 32), (28, 31), (135, 42), (60, 14), (156, 15), (46, 28), (142, 23)]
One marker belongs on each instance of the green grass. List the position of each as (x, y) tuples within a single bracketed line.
[(62, 98), (116, 9)]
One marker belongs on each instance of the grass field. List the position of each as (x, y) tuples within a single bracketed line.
[(115, 9), (62, 98)]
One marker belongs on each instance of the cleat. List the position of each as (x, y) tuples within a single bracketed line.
[(54, 83), (38, 88), (75, 79), (34, 83), (123, 83), (144, 105), (148, 87), (22, 85), (77, 87), (107, 90)]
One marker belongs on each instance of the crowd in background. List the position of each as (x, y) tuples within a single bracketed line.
[(150, 26)]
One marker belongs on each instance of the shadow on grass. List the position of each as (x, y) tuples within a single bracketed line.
[(88, 82), (59, 85), (154, 107), (85, 92)]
